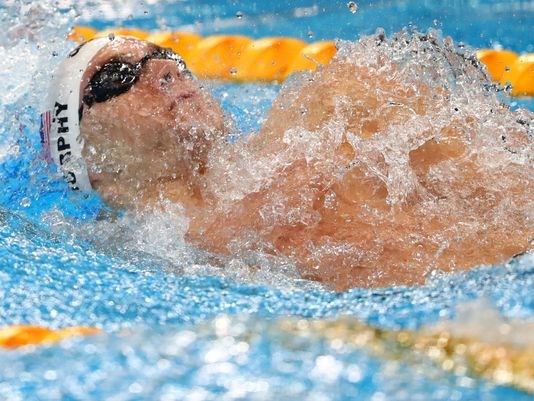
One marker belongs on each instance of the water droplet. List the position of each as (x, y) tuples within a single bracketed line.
[(239, 15), (233, 71), (50, 375), (353, 7), (135, 388), (181, 65)]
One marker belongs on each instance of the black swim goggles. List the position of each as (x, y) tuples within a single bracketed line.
[(117, 76)]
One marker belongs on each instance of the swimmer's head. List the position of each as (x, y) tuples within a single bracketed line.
[(136, 118)]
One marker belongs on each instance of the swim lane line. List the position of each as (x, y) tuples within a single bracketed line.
[(241, 59), (500, 363)]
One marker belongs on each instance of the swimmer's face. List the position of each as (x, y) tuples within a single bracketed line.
[(145, 120)]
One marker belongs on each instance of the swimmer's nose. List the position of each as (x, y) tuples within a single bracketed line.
[(164, 74)]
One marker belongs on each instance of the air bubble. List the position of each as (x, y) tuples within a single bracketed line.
[(25, 202), (352, 6), (233, 71), (111, 36), (50, 375), (310, 34), (181, 65), (239, 15), (135, 388)]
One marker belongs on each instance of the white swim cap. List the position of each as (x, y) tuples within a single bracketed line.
[(60, 123)]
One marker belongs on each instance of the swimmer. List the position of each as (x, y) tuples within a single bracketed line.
[(373, 171)]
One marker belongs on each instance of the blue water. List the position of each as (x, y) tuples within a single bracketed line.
[(64, 261)]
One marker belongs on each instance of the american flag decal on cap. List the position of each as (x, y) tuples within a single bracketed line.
[(44, 131)]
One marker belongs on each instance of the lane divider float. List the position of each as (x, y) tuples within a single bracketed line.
[(501, 363), (242, 59), (20, 335)]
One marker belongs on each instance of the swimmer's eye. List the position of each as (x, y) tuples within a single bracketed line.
[(113, 79), (117, 77)]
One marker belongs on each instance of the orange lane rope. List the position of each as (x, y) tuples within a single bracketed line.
[(239, 58), (19, 336), (501, 363)]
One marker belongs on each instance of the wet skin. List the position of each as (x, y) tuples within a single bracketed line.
[(159, 132), (164, 139)]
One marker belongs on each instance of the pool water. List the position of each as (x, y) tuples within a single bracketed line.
[(176, 326)]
